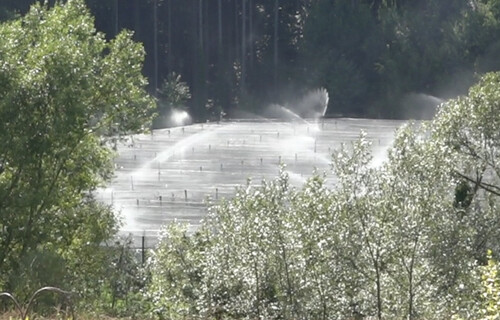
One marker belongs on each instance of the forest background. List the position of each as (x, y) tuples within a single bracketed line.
[(376, 58)]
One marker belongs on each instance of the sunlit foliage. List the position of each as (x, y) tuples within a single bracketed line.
[(65, 94), (403, 239)]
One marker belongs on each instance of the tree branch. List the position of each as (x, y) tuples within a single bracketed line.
[(483, 185)]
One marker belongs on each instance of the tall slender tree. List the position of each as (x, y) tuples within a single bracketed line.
[(275, 41), (200, 23), (250, 31), (116, 17), (170, 49), (219, 24), (155, 45), (243, 44)]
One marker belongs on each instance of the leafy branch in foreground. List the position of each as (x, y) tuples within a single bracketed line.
[(65, 94)]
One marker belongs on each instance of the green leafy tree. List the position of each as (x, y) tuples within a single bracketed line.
[(488, 297), (401, 239), (399, 215), (479, 29), (385, 242), (173, 94), (466, 131), (370, 246), (341, 44), (174, 91), (65, 95), (176, 274), (491, 287)]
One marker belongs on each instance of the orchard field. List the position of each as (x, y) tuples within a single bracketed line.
[(170, 174)]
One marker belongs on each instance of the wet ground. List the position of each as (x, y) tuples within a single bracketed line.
[(169, 174)]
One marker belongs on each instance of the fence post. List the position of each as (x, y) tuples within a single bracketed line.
[(143, 249)]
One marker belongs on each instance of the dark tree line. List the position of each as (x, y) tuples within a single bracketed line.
[(377, 58)]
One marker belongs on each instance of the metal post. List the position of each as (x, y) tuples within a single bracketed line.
[(143, 249)]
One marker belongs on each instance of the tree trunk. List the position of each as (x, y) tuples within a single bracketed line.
[(379, 291), (236, 32), (410, 269), (219, 20), (243, 45), (200, 24), (155, 43), (200, 65), (169, 24), (276, 21), (375, 5), (206, 34), (250, 31), (116, 17), (137, 18)]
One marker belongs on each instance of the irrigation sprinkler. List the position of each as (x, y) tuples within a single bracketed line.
[(279, 160), (137, 202), (260, 161), (185, 195), (217, 193), (161, 200)]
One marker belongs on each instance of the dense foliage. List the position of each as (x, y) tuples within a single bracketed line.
[(405, 239), (65, 94), (376, 58), (408, 238)]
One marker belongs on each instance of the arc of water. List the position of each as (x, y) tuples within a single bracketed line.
[(179, 145)]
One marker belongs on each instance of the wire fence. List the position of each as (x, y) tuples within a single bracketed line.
[(142, 246)]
